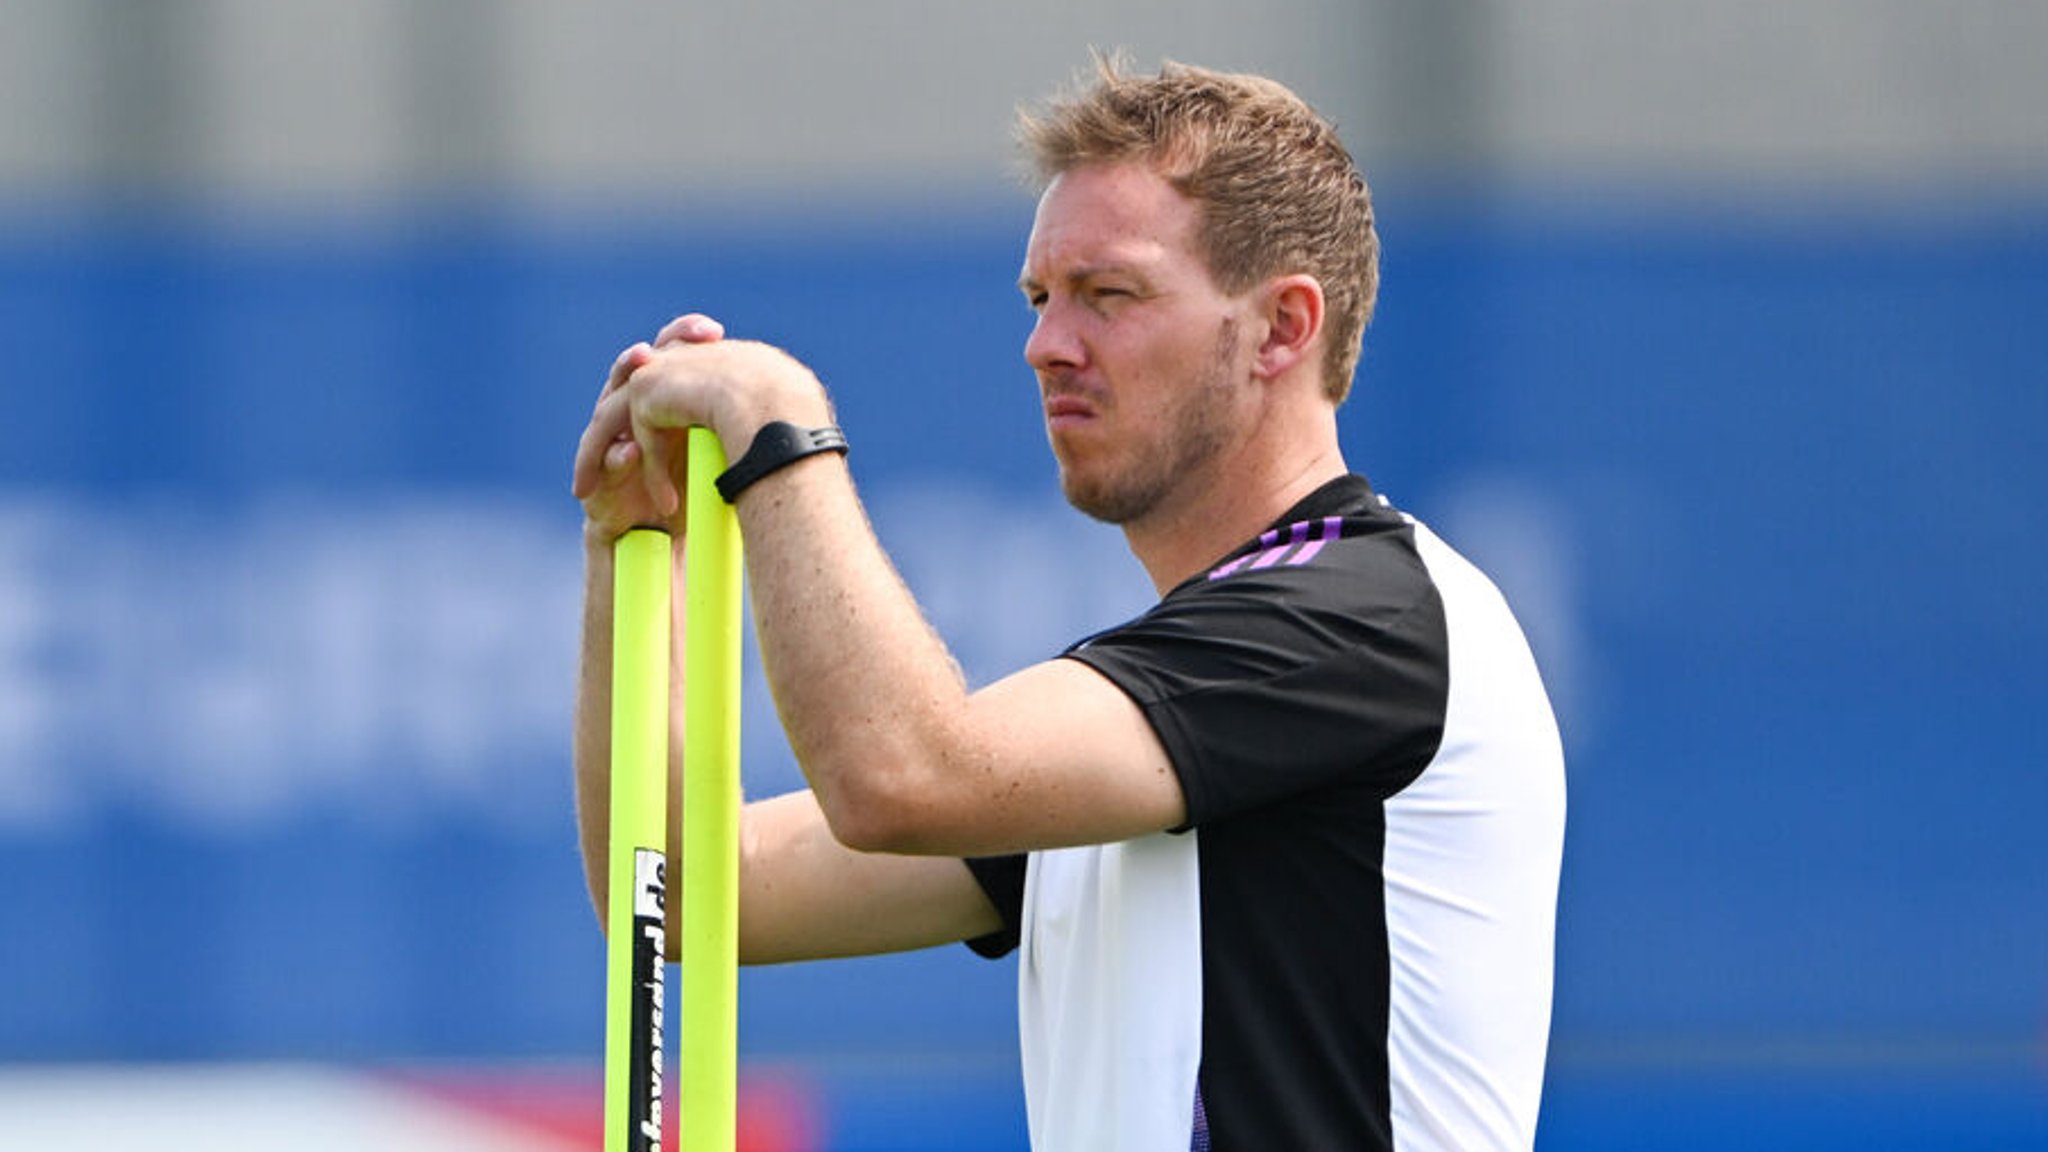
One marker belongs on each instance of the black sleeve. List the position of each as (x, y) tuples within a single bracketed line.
[(1269, 684), (1002, 878)]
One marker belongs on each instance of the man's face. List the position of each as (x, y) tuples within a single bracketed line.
[(1136, 349)]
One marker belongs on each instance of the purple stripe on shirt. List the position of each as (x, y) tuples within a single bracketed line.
[(1332, 526), (1298, 550), (1296, 533), (1266, 540)]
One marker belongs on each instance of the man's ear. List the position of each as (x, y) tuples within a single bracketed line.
[(1293, 308)]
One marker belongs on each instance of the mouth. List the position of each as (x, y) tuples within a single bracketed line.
[(1066, 410)]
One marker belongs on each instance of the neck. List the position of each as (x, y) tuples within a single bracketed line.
[(1232, 503)]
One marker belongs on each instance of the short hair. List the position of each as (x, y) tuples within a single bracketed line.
[(1276, 190)]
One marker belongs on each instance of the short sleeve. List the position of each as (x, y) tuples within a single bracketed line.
[(1265, 685), (1002, 879)]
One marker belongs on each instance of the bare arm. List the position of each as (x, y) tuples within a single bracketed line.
[(901, 757), (802, 894), (593, 735), (806, 896)]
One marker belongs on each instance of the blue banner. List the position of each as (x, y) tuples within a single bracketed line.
[(289, 579)]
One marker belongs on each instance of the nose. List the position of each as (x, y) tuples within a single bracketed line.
[(1052, 344)]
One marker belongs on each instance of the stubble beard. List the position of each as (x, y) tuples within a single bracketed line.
[(1200, 429)]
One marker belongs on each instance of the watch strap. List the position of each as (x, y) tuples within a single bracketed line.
[(777, 445)]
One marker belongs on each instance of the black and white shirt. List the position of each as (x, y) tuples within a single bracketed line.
[(1349, 945)]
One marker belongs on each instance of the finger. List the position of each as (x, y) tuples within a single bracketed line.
[(630, 361), (621, 456), (608, 420), (654, 461), (690, 328)]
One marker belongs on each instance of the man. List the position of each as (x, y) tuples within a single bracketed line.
[(1281, 855)]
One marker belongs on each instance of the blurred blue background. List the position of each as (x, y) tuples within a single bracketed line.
[(1717, 336)]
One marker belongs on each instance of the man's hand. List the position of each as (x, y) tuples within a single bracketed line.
[(688, 378), (621, 498)]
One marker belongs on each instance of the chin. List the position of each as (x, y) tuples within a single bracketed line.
[(1083, 497), (1102, 502)]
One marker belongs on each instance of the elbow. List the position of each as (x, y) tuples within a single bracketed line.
[(901, 790), (868, 826), (879, 812)]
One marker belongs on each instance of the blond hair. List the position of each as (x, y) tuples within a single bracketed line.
[(1276, 190)]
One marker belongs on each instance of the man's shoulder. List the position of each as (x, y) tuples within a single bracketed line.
[(1344, 547), (1341, 577)]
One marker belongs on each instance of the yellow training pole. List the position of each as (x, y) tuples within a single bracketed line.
[(636, 925), (707, 1046)]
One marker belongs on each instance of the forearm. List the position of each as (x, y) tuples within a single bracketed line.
[(901, 758), (806, 896), (803, 895), (592, 727), (869, 697)]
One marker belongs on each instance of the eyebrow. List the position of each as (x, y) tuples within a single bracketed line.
[(1025, 281)]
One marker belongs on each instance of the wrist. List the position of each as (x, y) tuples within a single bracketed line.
[(776, 446), (793, 395)]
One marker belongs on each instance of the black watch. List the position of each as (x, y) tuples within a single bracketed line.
[(777, 445)]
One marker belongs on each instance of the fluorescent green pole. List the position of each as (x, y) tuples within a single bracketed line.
[(707, 1048), (635, 961)]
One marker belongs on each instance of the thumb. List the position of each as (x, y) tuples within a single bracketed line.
[(690, 328)]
